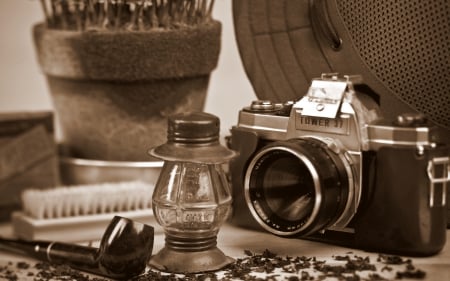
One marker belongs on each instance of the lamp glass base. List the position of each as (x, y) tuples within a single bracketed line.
[(175, 261)]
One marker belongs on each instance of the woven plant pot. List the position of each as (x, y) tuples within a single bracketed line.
[(113, 91)]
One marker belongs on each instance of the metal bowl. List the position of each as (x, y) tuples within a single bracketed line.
[(86, 171)]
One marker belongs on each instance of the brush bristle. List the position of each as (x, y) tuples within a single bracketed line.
[(87, 199)]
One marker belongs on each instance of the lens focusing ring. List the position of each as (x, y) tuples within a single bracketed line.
[(320, 171)]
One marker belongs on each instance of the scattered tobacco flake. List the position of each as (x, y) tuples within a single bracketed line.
[(411, 274), (376, 276), (341, 258), (45, 271), (391, 259), (330, 270), (248, 253), (386, 268), (7, 273), (360, 264), (268, 254), (289, 269), (299, 268), (302, 263), (151, 275), (292, 278), (22, 265), (304, 275)]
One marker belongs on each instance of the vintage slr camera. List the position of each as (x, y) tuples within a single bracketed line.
[(329, 168)]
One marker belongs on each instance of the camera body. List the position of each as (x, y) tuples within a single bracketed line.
[(328, 167)]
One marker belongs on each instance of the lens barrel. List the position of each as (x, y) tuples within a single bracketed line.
[(298, 186)]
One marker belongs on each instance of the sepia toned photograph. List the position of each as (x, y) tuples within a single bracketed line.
[(223, 140)]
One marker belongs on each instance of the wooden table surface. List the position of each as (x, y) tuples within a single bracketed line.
[(233, 241)]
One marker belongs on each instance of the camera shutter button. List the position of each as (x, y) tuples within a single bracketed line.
[(266, 107), (262, 105)]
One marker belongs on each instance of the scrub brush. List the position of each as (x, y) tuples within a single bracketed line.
[(80, 213)]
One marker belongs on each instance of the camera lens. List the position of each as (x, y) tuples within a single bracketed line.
[(297, 187)]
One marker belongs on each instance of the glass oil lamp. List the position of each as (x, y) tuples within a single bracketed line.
[(192, 197)]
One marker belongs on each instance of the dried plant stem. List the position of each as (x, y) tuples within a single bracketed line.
[(120, 6), (131, 15), (78, 17), (211, 6), (46, 12)]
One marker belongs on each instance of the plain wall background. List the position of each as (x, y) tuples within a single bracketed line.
[(23, 86)]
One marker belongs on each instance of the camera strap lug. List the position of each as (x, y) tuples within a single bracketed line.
[(439, 175)]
